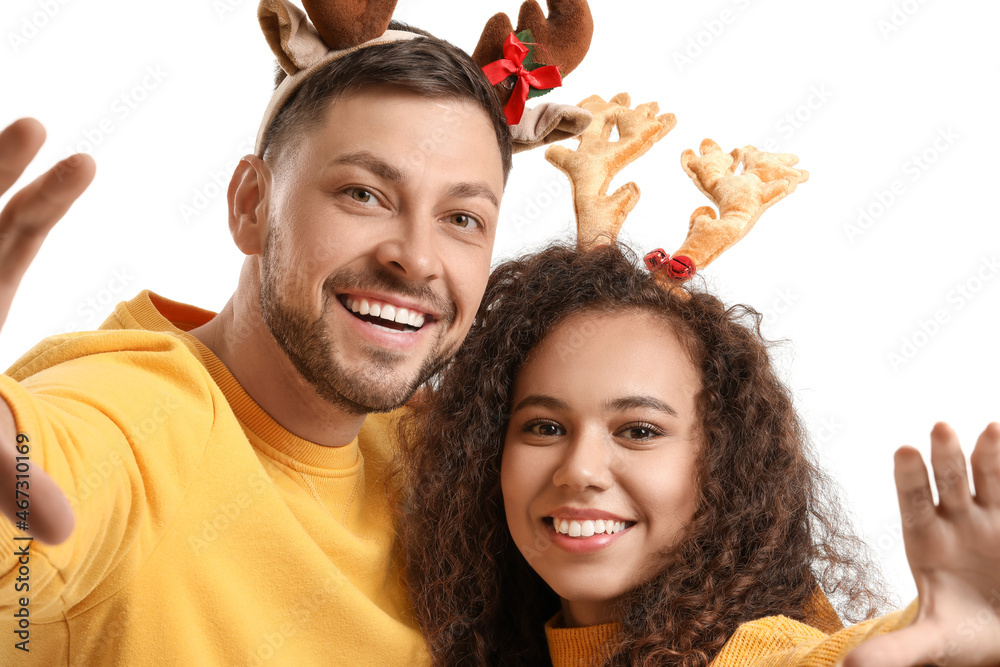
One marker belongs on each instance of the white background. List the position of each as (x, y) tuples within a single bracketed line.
[(857, 89)]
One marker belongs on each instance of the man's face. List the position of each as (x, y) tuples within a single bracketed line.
[(380, 231)]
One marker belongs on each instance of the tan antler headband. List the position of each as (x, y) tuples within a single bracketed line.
[(742, 198), (340, 27), (767, 178)]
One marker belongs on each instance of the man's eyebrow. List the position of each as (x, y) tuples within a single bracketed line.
[(470, 189), (541, 400), (630, 402), (371, 162)]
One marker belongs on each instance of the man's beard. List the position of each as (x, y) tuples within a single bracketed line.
[(310, 347)]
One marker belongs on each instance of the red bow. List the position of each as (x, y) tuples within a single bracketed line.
[(512, 62)]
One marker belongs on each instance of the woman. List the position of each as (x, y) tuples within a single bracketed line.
[(653, 474)]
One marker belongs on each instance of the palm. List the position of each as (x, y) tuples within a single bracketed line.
[(954, 553), (24, 222)]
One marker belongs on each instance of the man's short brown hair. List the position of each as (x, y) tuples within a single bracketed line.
[(427, 66)]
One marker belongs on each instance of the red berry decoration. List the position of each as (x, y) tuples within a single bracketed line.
[(656, 259), (680, 267)]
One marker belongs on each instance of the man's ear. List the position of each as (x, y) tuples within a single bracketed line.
[(249, 192)]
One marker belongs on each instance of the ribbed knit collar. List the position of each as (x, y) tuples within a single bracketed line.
[(577, 647), (153, 312)]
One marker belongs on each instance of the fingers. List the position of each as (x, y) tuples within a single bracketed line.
[(19, 143), (49, 515), (909, 647), (950, 474), (985, 461), (50, 519), (32, 212), (913, 489), (41, 203)]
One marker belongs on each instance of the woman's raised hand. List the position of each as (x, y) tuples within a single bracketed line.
[(954, 553)]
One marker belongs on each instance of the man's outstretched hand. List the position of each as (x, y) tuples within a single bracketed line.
[(954, 553), (24, 222)]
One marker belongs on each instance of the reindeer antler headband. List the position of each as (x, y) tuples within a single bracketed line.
[(340, 27), (742, 198)]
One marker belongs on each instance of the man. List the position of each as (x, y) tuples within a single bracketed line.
[(230, 498)]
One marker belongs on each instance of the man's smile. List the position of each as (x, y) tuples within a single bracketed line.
[(385, 313)]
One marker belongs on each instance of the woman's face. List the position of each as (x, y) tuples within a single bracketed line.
[(598, 471)]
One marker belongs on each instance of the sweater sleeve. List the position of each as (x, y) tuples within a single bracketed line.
[(120, 421), (778, 641)]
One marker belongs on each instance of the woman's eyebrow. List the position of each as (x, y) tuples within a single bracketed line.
[(631, 402), (542, 400)]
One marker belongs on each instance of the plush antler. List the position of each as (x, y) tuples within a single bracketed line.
[(563, 38), (597, 160), (558, 43), (742, 198), (337, 27), (346, 23)]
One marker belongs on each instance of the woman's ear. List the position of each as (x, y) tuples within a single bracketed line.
[(249, 192)]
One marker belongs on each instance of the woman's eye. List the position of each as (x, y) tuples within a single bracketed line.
[(545, 429), (463, 220), (640, 432), (361, 195)]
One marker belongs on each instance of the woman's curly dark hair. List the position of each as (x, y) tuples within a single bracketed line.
[(765, 533)]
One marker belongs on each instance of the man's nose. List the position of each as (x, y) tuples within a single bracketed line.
[(411, 249)]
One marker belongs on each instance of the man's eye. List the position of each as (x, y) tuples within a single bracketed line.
[(361, 195), (463, 220)]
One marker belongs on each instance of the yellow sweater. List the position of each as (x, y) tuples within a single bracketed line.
[(206, 534), (775, 641)]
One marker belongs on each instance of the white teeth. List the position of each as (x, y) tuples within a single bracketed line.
[(386, 311), (588, 527)]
